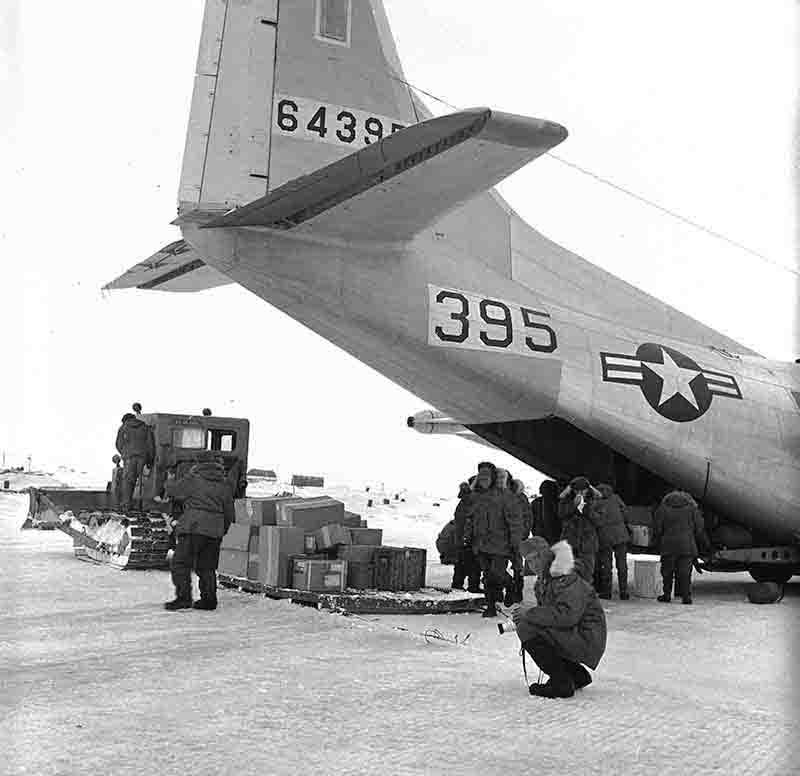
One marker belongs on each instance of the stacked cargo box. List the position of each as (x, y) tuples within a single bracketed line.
[(314, 544)]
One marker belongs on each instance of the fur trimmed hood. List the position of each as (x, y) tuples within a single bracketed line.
[(678, 498), (564, 561)]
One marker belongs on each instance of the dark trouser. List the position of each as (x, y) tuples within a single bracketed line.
[(466, 567), (494, 574), (200, 553), (679, 568), (514, 592), (605, 569), (562, 672), (132, 473)]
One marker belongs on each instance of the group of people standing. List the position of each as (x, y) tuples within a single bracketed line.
[(494, 515), (565, 631)]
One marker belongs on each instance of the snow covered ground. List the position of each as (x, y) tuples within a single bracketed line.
[(98, 678)]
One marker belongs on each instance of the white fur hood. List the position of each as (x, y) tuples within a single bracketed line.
[(564, 561)]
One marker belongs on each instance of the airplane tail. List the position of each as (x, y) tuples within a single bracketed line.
[(284, 87)]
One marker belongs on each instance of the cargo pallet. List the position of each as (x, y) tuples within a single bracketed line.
[(424, 601)]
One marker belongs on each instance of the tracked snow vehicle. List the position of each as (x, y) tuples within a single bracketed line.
[(140, 537)]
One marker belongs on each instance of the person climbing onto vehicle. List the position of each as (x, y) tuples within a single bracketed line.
[(136, 446)]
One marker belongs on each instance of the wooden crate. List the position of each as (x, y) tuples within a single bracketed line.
[(400, 568), (360, 575)]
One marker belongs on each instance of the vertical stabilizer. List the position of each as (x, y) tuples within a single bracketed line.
[(338, 84), (226, 159), (284, 87)]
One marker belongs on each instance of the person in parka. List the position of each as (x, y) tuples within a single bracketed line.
[(608, 517), (493, 529), (465, 565), (574, 509), (207, 502), (677, 528), (546, 522), (504, 483), (567, 630), (136, 446)]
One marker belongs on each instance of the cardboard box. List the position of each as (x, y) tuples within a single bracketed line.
[(373, 536), (258, 511), (332, 535), (324, 576), (647, 581), (233, 563), (253, 568), (275, 545), (641, 536), (310, 514), (238, 537)]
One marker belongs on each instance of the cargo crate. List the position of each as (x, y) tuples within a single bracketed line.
[(361, 553), (373, 536), (276, 544), (360, 575), (319, 575), (310, 514), (233, 562), (331, 535), (400, 568)]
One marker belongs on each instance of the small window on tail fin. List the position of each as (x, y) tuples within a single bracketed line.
[(333, 21)]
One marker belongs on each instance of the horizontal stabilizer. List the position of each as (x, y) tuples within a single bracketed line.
[(176, 267), (393, 189)]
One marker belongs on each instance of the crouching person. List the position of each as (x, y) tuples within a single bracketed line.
[(567, 629), (207, 513)]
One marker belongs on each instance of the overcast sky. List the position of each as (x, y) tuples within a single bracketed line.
[(688, 104)]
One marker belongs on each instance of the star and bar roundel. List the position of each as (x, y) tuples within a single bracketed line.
[(673, 384)]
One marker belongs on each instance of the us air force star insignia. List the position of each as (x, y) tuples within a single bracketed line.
[(673, 384)]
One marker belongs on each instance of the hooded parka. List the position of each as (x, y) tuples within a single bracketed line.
[(608, 517), (207, 501), (135, 440), (494, 524), (578, 530), (568, 614), (677, 524)]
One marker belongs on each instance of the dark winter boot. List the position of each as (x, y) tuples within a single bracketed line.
[(665, 599), (207, 582), (687, 599), (178, 603), (558, 687), (624, 596), (491, 604), (580, 676)]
